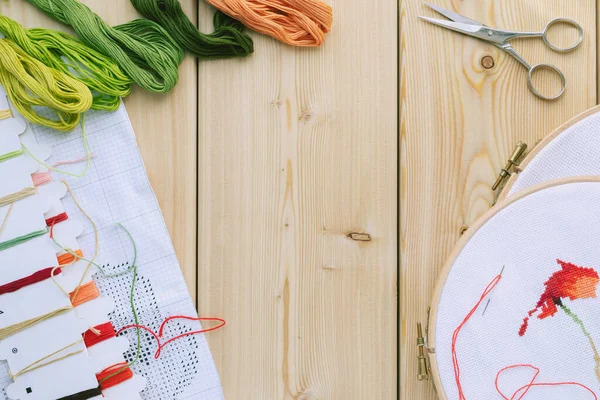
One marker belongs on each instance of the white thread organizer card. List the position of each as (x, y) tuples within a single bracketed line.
[(115, 190)]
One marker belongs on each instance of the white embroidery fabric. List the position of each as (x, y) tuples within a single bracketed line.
[(575, 152), (526, 238)]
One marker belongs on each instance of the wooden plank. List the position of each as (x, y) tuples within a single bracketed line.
[(459, 122), (165, 127), (298, 150)]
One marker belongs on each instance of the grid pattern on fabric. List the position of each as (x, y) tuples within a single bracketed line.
[(526, 238), (116, 189), (572, 153)]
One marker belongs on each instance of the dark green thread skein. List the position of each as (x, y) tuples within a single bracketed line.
[(227, 40), (97, 71), (142, 48)]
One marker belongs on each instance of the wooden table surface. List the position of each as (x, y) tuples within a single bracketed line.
[(283, 176), (278, 179)]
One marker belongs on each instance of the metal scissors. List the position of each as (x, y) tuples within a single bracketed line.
[(500, 38)]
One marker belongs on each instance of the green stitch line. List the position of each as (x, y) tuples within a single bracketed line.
[(579, 322)]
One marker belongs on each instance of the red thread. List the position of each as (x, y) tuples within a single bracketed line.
[(487, 291), (107, 381), (68, 258), (57, 219), (91, 338), (524, 388), (28, 280), (532, 383), (162, 327), (41, 178)]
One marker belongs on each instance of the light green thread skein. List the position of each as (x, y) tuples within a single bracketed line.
[(142, 48), (98, 72), (30, 84)]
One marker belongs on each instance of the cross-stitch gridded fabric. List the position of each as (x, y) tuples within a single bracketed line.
[(526, 238), (116, 189), (574, 152)]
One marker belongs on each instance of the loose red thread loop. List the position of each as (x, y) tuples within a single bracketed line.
[(57, 219), (68, 258), (84, 293), (487, 291), (107, 381), (36, 277), (524, 389), (532, 383), (91, 338), (162, 328)]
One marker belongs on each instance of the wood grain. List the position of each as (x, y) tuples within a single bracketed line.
[(459, 121), (165, 127), (298, 150)]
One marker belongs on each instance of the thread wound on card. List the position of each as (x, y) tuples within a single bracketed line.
[(11, 330), (84, 293), (57, 219), (68, 258), (99, 334), (21, 194), (114, 375)]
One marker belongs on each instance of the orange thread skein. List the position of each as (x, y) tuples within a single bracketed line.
[(68, 258), (295, 22), (84, 293)]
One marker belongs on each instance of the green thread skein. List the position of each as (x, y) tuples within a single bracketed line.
[(142, 48), (98, 72), (30, 84), (227, 40)]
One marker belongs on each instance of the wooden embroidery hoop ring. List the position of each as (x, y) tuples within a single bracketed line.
[(545, 141), (443, 276)]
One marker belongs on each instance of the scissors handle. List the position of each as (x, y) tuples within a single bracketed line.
[(563, 81), (567, 22)]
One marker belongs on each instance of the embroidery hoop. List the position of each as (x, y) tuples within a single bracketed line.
[(449, 265), (539, 151)]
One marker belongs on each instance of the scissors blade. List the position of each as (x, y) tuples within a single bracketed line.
[(467, 29), (451, 15)]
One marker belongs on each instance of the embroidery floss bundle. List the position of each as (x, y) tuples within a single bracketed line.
[(4, 114), (142, 48), (36, 277), (41, 178), (62, 217), (21, 239), (11, 330), (99, 334), (227, 40), (84, 395), (12, 154), (114, 375), (29, 83), (65, 53), (21, 194), (295, 22), (84, 293)]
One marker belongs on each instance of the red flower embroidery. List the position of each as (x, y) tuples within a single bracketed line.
[(571, 282)]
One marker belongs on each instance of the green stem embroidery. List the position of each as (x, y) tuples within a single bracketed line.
[(579, 322)]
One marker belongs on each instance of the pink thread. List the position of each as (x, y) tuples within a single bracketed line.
[(162, 327), (67, 162), (41, 178), (525, 389)]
